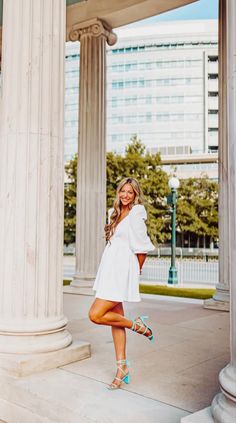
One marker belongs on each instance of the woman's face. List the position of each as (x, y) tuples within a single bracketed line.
[(126, 195)]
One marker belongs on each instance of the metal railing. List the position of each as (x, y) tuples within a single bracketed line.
[(190, 272)]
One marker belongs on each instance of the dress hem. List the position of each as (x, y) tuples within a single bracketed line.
[(119, 300)]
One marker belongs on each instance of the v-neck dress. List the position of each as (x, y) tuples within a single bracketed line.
[(118, 273)]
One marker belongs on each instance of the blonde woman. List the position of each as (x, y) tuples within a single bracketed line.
[(117, 278)]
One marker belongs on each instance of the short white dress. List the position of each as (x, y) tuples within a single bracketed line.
[(118, 273)]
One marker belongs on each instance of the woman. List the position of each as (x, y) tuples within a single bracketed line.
[(117, 279)]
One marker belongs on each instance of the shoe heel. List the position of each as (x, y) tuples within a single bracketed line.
[(127, 379), (151, 339)]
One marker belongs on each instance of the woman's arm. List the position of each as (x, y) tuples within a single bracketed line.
[(141, 260)]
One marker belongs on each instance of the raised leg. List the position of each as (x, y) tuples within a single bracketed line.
[(102, 313)]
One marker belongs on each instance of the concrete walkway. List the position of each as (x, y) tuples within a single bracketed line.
[(171, 378), (180, 369)]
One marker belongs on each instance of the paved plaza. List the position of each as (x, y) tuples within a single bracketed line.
[(171, 378), (176, 375), (180, 369)]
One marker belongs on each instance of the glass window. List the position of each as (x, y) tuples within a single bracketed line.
[(117, 119), (213, 94), (148, 100), (213, 58), (131, 119), (148, 83), (177, 116), (148, 65), (213, 76), (141, 118), (117, 84), (162, 100), (162, 117), (177, 99), (148, 117), (114, 102)]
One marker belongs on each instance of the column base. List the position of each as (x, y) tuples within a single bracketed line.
[(18, 365), (82, 286), (213, 304), (221, 293), (202, 416), (223, 409), (23, 343)]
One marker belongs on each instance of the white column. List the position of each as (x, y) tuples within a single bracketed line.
[(91, 190), (221, 299), (224, 404), (31, 177)]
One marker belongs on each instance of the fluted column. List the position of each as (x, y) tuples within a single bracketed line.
[(91, 190), (224, 404), (31, 177), (220, 300)]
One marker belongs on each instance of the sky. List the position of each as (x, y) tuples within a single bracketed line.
[(202, 9)]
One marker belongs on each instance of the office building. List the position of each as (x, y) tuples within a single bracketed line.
[(162, 84)]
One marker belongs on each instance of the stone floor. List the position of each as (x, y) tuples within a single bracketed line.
[(180, 369), (171, 378)]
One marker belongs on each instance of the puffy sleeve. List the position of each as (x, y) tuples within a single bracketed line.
[(110, 211), (138, 238)]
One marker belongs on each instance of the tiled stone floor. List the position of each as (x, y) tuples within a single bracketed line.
[(181, 368), (171, 378)]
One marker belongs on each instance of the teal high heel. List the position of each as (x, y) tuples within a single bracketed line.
[(125, 378), (141, 327)]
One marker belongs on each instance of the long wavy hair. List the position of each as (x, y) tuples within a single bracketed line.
[(138, 199)]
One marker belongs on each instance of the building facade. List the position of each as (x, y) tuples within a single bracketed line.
[(162, 84)]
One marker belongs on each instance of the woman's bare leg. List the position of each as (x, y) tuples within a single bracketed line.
[(111, 313), (119, 335), (101, 312), (119, 338)]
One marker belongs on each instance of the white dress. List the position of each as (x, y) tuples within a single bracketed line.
[(118, 273)]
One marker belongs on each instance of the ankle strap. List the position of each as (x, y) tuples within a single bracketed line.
[(124, 361)]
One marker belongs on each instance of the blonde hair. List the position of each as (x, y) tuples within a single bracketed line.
[(138, 199)]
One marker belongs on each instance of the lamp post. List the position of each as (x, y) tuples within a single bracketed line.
[(171, 199)]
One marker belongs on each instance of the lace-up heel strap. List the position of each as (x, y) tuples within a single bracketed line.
[(123, 362), (136, 326), (117, 378), (139, 327)]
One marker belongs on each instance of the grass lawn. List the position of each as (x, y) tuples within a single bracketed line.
[(67, 281), (198, 293)]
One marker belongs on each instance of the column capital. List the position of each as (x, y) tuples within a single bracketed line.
[(93, 28)]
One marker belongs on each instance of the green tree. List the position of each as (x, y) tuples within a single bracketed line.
[(197, 207), (70, 202)]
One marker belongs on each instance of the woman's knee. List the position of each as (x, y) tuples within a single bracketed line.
[(94, 316)]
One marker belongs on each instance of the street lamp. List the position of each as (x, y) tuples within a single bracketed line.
[(171, 199)]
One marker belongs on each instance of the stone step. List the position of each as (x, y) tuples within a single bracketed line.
[(59, 396), (202, 416)]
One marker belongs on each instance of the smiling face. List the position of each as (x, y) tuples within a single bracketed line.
[(126, 195)]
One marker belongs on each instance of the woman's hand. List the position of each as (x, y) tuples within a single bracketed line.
[(141, 260)]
